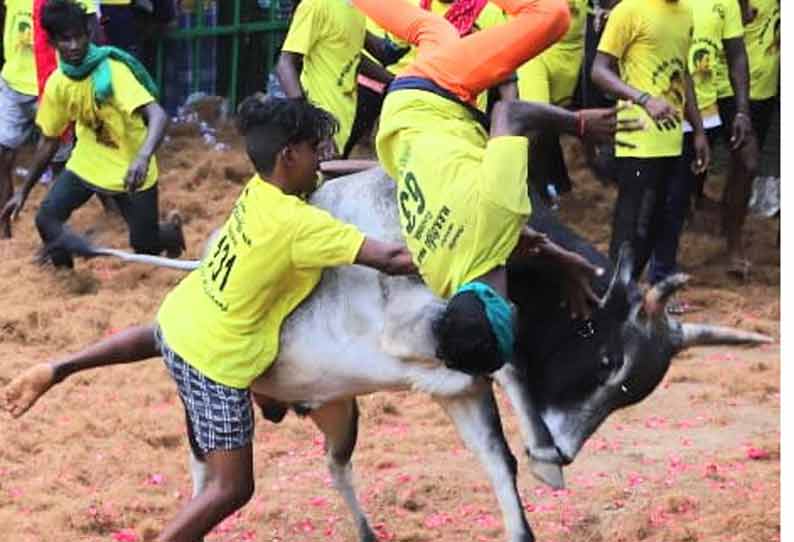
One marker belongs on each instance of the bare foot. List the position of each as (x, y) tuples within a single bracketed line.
[(25, 389)]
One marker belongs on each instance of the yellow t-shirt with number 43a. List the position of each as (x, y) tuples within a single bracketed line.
[(109, 135), (330, 36), (224, 318), (650, 39)]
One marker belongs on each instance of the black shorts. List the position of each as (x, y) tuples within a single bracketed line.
[(761, 112)]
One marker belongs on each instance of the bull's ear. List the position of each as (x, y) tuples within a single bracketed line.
[(622, 276)]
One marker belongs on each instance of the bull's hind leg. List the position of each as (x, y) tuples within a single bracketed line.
[(339, 423), (477, 420)]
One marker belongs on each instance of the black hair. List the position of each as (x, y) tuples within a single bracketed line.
[(61, 16), (699, 54), (466, 341), (269, 124)]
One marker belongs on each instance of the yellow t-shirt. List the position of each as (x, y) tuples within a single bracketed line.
[(330, 36), (462, 197), (650, 39), (19, 70), (108, 137), (224, 318), (489, 17), (115, 2), (762, 38), (551, 76), (714, 22)]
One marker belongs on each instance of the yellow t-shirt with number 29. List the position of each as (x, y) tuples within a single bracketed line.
[(650, 39), (224, 318), (330, 36)]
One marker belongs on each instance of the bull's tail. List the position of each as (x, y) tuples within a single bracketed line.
[(158, 261), (78, 245)]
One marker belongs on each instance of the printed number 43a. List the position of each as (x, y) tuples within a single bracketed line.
[(224, 259)]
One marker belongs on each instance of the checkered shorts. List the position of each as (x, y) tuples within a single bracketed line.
[(218, 417)]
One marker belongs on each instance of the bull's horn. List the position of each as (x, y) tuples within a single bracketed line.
[(706, 334), (656, 298)]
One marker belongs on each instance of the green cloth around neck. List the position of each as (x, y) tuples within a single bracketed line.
[(97, 66)]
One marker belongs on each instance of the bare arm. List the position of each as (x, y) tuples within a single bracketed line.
[(606, 75), (374, 71), (701, 142), (509, 90), (156, 122), (390, 258), (739, 72), (288, 71), (45, 150)]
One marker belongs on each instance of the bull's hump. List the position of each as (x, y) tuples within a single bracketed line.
[(366, 200)]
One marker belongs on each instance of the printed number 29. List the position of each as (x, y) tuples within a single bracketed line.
[(411, 196), (224, 264)]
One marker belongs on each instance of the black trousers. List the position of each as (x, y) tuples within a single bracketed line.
[(639, 218), (140, 211)]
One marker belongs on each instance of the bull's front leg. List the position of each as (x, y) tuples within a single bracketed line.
[(546, 459), (339, 423), (477, 420)]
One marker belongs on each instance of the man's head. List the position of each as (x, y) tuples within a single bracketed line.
[(702, 60), (282, 134), (475, 332), (67, 28)]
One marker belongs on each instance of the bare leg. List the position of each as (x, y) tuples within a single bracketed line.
[(6, 186), (477, 420), (131, 345), (735, 197), (339, 423), (229, 485)]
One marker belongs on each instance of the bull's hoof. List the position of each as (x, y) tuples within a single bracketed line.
[(548, 473)]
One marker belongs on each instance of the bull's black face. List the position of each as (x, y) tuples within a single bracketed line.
[(578, 372)]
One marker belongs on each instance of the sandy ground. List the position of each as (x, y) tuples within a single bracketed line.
[(103, 456)]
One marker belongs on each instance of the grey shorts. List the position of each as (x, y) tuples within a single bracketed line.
[(218, 417), (17, 116)]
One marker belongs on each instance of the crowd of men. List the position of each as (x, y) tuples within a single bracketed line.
[(470, 97)]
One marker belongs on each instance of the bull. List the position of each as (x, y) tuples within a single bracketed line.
[(362, 332)]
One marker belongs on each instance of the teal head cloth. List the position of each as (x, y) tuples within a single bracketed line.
[(97, 66), (499, 314)]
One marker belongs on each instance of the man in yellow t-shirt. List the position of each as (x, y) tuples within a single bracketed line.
[(642, 57), (320, 61), (462, 189), (551, 77), (118, 130), (218, 329), (762, 40)]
